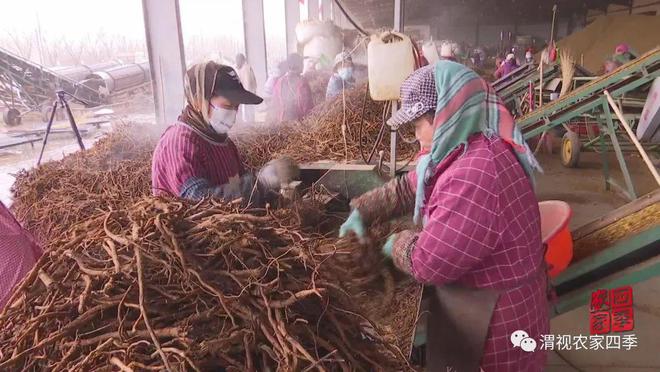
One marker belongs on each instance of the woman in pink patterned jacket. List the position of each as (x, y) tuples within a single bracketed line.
[(479, 241), (19, 253)]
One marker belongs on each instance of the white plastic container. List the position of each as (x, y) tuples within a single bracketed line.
[(390, 63), (430, 51), (307, 30), (323, 49)]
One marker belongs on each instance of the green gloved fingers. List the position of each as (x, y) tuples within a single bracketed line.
[(401, 246), (389, 246), (353, 224)]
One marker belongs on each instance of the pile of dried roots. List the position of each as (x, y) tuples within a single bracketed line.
[(171, 285), (320, 136), (318, 83), (114, 173)]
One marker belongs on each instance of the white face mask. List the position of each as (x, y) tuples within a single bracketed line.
[(345, 73), (222, 119)]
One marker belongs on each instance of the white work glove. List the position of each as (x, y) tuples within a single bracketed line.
[(278, 172)]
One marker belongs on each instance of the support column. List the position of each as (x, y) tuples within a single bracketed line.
[(326, 10), (515, 29), (292, 17), (255, 39), (476, 34), (162, 28), (339, 18), (333, 11), (399, 16), (630, 192), (313, 9)]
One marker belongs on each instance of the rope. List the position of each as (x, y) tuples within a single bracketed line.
[(357, 27)]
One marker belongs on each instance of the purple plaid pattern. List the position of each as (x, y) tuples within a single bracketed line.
[(19, 253), (418, 96), (483, 230), (182, 154)]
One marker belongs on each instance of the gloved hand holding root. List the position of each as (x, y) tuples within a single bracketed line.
[(394, 199), (278, 172), (254, 190), (480, 243)]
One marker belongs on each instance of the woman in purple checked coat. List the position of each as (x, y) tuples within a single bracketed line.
[(479, 241)]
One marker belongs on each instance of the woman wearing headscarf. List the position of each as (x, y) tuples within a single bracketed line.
[(479, 236), (342, 76), (507, 66), (622, 55), (292, 95), (195, 157)]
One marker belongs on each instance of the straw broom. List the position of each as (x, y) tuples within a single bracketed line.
[(567, 65)]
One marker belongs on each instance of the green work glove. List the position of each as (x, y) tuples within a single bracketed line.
[(353, 224), (389, 245)]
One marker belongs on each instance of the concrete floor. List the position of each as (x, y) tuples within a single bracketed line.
[(25, 156), (584, 189)]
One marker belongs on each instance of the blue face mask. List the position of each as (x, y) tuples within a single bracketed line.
[(345, 73)]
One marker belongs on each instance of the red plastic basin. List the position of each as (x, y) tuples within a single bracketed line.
[(555, 216)]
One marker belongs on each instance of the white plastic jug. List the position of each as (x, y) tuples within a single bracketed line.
[(391, 61), (430, 51), (324, 49)]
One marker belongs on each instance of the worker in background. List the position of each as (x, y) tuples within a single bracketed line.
[(477, 57), (342, 75), (277, 73), (249, 81), (622, 55), (292, 95), (309, 65), (507, 66), (269, 88), (529, 56), (195, 158), (447, 52), (498, 61), (19, 253), (478, 239)]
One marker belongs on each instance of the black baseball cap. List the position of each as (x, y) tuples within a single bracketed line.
[(222, 80)]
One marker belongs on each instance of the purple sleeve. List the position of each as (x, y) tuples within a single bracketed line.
[(18, 251), (237, 156), (463, 225), (180, 158)]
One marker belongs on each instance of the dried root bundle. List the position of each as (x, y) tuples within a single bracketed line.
[(172, 285), (114, 173), (320, 137)]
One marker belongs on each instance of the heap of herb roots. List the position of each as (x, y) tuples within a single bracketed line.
[(171, 285), (114, 173), (346, 128)]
